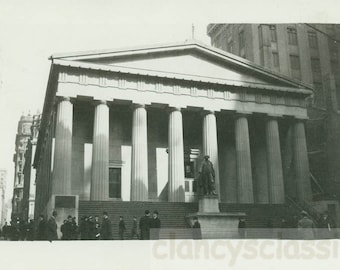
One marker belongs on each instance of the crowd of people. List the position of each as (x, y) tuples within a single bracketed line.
[(89, 228), (295, 228), (148, 227)]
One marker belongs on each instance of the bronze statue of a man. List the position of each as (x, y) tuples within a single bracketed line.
[(207, 177)]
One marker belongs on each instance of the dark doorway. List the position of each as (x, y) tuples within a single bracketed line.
[(115, 182)]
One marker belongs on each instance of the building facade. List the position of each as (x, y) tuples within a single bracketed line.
[(21, 141), (3, 212), (305, 52), (134, 125), (28, 202)]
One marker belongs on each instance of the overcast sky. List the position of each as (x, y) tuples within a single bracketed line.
[(33, 30)]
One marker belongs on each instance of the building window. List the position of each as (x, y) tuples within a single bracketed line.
[(294, 62), (115, 182), (276, 62), (292, 36), (230, 46), (229, 30), (186, 186), (312, 40), (315, 63), (273, 36), (338, 95), (241, 40), (319, 99), (335, 66), (333, 49)]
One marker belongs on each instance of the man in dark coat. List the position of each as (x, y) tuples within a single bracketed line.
[(306, 227), (15, 229), (155, 225), (196, 232), (121, 228), (242, 227), (84, 228), (326, 227), (75, 229), (97, 228), (22, 229), (134, 232), (67, 229), (30, 230), (144, 226), (106, 229), (92, 228), (42, 228), (52, 227), (5, 231)]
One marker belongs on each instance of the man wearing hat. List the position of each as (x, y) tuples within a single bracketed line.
[(207, 177), (196, 232), (106, 228), (144, 226), (155, 225), (52, 227), (326, 226), (306, 227)]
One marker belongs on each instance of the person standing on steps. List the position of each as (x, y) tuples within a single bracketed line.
[(121, 228), (134, 231), (144, 226), (155, 226), (52, 227), (242, 228), (306, 227), (196, 232), (106, 229)]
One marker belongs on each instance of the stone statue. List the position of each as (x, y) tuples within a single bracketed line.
[(206, 177)]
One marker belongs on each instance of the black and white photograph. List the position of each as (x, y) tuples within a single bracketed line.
[(147, 135)]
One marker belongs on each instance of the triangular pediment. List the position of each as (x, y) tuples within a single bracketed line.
[(191, 59)]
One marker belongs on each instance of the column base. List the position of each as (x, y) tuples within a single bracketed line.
[(65, 205)]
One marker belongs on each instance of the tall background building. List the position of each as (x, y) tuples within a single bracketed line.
[(28, 202), (21, 141), (308, 53), (3, 175)]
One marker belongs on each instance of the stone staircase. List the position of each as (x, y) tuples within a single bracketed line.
[(172, 215)]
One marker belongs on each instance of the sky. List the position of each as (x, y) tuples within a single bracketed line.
[(30, 31)]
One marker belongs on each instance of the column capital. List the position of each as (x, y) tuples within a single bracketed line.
[(205, 112), (99, 102), (242, 114), (62, 98), (138, 105), (300, 118), (172, 109), (270, 116)]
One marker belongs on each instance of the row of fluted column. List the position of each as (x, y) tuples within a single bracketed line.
[(139, 158)]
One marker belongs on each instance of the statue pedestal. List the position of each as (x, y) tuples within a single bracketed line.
[(208, 204), (214, 224)]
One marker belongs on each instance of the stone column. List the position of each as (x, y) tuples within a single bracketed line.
[(244, 174), (274, 162), (210, 144), (139, 160), (176, 157), (61, 183), (302, 174), (100, 153)]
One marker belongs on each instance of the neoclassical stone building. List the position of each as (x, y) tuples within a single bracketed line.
[(134, 124)]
